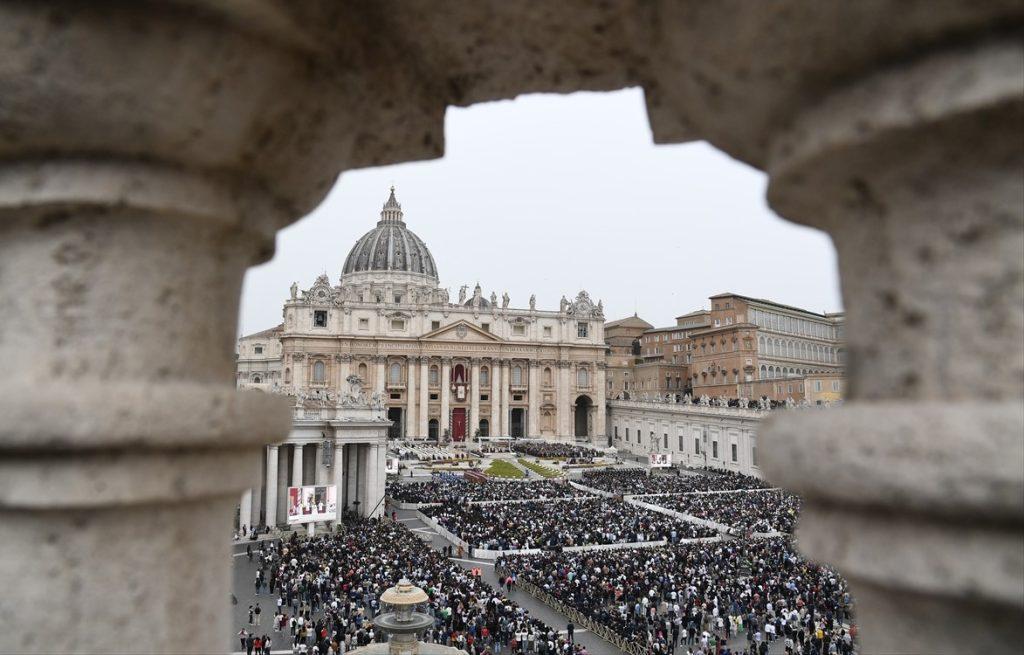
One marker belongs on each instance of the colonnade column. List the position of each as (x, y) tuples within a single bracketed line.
[(338, 479), (474, 399), (271, 502), (915, 172), (495, 398), (601, 412), (424, 408), (372, 480), (382, 477), (410, 397), (446, 373), (533, 413), (352, 476), (365, 479), (322, 471), (296, 480)]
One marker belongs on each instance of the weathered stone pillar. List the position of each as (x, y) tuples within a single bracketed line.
[(506, 404), (379, 374), (496, 397), (338, 479), (915, 488), (600, 436), (245, 510), (533, 415)]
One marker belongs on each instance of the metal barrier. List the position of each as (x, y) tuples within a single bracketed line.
[(577, 617)]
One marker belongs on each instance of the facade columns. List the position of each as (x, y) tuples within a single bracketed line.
[(496, 408), (474, 400), (296, 480), (322, 472), (410, 394), (506, 382), (424, 408), (564, 401), (380, 375), (600, 411), (446, 389), (365, 479), (338, 478), (533, 413), (271, 502), (373, 475), (921, 194), (382, 478), (344, 364)]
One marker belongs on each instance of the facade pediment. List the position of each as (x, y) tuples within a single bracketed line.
[(461, 331)]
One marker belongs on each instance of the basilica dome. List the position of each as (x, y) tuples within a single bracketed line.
[(391, 246)]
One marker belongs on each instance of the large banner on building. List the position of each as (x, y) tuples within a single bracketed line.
[(391, 465), (661, 460), (312, 503)]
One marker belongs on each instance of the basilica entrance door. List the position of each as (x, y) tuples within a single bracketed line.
[(459, 424), (397, 429)]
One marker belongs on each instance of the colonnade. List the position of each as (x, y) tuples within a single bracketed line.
[(357, 470)]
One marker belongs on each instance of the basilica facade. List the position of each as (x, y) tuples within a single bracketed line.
[(439, 365)]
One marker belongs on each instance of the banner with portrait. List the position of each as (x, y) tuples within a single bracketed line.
[(312, 503)]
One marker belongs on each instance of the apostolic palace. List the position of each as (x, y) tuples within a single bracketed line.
[(433, 366)]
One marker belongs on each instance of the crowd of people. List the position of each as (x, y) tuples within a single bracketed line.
[(455, 489), (324, 592), (697, 597), (743, 511), (638, 481), (585, 521), (546, 449)]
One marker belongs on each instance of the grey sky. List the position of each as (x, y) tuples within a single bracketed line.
[(552, 194)]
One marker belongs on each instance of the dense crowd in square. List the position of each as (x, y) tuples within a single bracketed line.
[(547, 449), (323, 593), (697, 596), (637, 481), (586, 521), (743, 511), (455, 489)]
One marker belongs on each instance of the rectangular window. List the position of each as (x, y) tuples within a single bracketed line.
[(547, 331), (396, 396), (627, 434), (320, 318), (696, 446), (258, 350), (616, 432), (517, 397), (835, 385), (753, 452), (433, 396), (397, 324), (817, 385), (582, 330), (714, 449), (484, 396), (364, 324), (681, 445), (666, 441), (435, 325), (398, 298), (486, 327), (518, 330), (734, 453)]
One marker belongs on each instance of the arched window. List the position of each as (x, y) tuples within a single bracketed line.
[(547, 377), (764, 371), (760, 344), (362, 372), (287, 376), (517, 375), (485, 376), (257, 380), (582, 378), (395, 376), (434, 376), (319, 373)]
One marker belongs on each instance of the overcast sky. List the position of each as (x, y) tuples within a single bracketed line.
[(551, 194)]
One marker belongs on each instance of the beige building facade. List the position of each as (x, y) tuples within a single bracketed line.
[(443, 367)]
